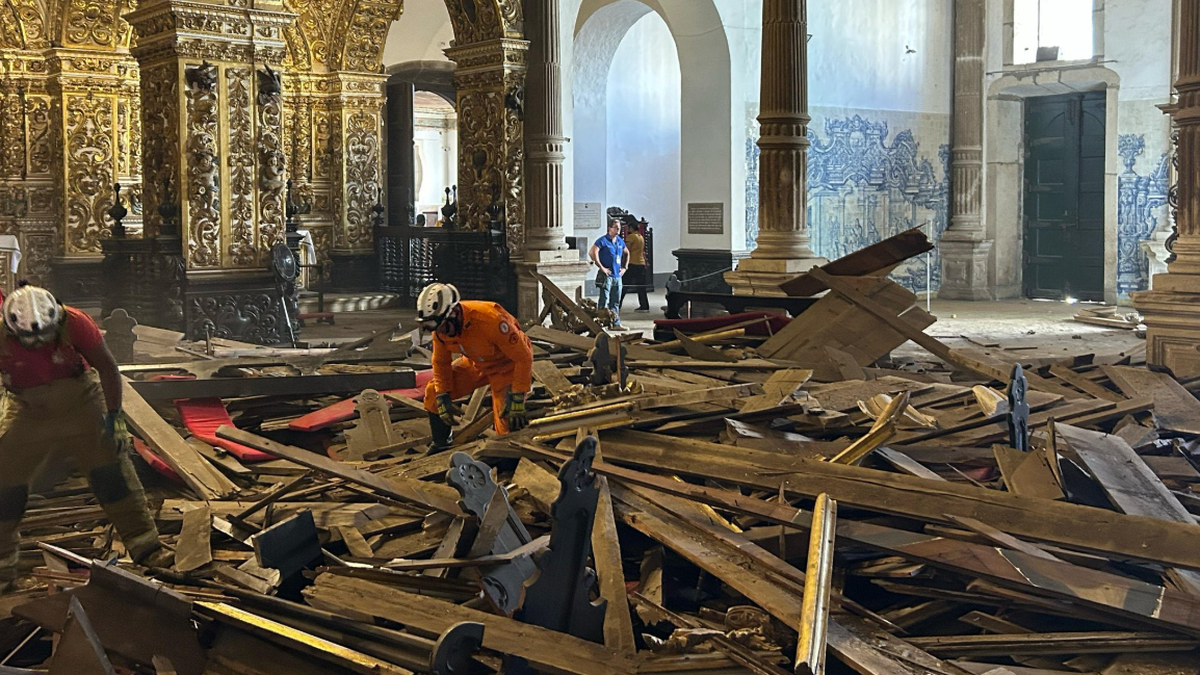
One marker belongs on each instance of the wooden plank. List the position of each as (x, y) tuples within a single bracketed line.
[(1027, 473), (165, 441), (731, 566), (584, 344), (403, 489), (1175, 408), (193, 549), (818, 575), (1023, 644), (606, 550), (1130, 485), (546, 650), (1069, 525), (551, 377), (1084, 384), (568, 303), (1110, 593), (873, 259)]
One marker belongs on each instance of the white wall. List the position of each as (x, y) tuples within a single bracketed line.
[(643, 133), (435, 156), (420, 34)]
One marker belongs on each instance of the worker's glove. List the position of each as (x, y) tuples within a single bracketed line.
[(114, 424), (448, 410), (514, 411)]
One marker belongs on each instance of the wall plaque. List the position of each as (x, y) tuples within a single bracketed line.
[(588, 216), (706, 218)]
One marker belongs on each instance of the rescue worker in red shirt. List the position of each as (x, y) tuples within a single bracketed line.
[(62, 389), (493, 349)]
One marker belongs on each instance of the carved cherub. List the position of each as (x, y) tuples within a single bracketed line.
[(203, 76), (270, 84)]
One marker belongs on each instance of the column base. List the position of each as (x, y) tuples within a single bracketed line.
[(1171, 313), (964, 269), (759, 276), (564, 268), (353, 272)]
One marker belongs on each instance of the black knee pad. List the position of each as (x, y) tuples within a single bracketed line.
[(12, 502), (108, 483)]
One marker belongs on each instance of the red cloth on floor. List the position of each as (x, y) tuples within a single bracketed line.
[(344, 410), (202, 417), (703, 325), (155, 461)]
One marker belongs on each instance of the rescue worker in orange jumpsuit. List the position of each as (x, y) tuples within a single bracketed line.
[(493, 350), (62, 389)]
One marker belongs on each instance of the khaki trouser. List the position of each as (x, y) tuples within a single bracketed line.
[(68, 415)]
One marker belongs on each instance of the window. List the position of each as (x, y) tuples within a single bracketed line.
[(1065, 25)]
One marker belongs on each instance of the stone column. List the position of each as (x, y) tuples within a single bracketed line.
[(782, 249), (545, 243), (1172, 309), (964, 247)]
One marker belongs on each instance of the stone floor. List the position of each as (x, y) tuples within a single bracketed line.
[(1010, 329)]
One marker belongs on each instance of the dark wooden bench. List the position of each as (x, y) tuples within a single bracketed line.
[(736, 304)]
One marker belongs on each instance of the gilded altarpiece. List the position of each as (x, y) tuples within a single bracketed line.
[(69, 112)]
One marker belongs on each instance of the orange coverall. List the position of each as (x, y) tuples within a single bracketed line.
[(494, 351)]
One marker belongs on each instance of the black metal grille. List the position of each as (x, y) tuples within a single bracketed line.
[(477, 263)]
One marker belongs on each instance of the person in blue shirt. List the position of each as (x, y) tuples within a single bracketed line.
[(611, 256)]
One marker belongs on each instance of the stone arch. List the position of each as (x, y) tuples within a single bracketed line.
[(712, 133)]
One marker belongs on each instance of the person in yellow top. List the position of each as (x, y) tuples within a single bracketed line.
[(637, 275)]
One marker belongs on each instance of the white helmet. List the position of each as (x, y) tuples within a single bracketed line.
[(436, 302), (33, 315)]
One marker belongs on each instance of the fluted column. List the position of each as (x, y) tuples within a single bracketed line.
[(964, 247), (1172, 310), (782, 249), (543, 129), (545, 250)]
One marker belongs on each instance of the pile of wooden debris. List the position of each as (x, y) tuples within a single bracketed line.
[(758, 496)]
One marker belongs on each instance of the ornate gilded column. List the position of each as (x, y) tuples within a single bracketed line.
[(214, 175), (545, 239), (355, 135), (490, 79), (964, 246), (1172, 309), (782, 249), (29, 198), (91, 120)]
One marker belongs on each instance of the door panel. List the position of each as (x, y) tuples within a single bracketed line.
[(1064, 196)]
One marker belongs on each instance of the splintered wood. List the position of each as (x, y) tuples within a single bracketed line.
[(722, 500)]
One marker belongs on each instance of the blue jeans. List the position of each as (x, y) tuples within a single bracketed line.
[(610, 296)]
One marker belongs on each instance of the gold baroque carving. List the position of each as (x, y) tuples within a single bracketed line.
[(12, 155), (89, 170), (91, 23), (161, 134), (38, 252), (204, 197), (241, 168), (362, 187), (272, 162), (37, 121)]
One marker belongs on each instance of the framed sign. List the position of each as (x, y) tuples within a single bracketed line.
[(706, 218), (588, 216)]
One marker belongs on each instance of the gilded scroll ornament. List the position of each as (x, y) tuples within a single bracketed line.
[(38, 252), (91, 23), (271, 162), (241, 168), (161, 133), (89, 169), (362, 187), (204, 198)]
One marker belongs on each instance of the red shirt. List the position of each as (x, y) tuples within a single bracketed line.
[(22, 368)]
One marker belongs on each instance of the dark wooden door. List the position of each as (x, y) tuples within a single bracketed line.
[(1064, 196)]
